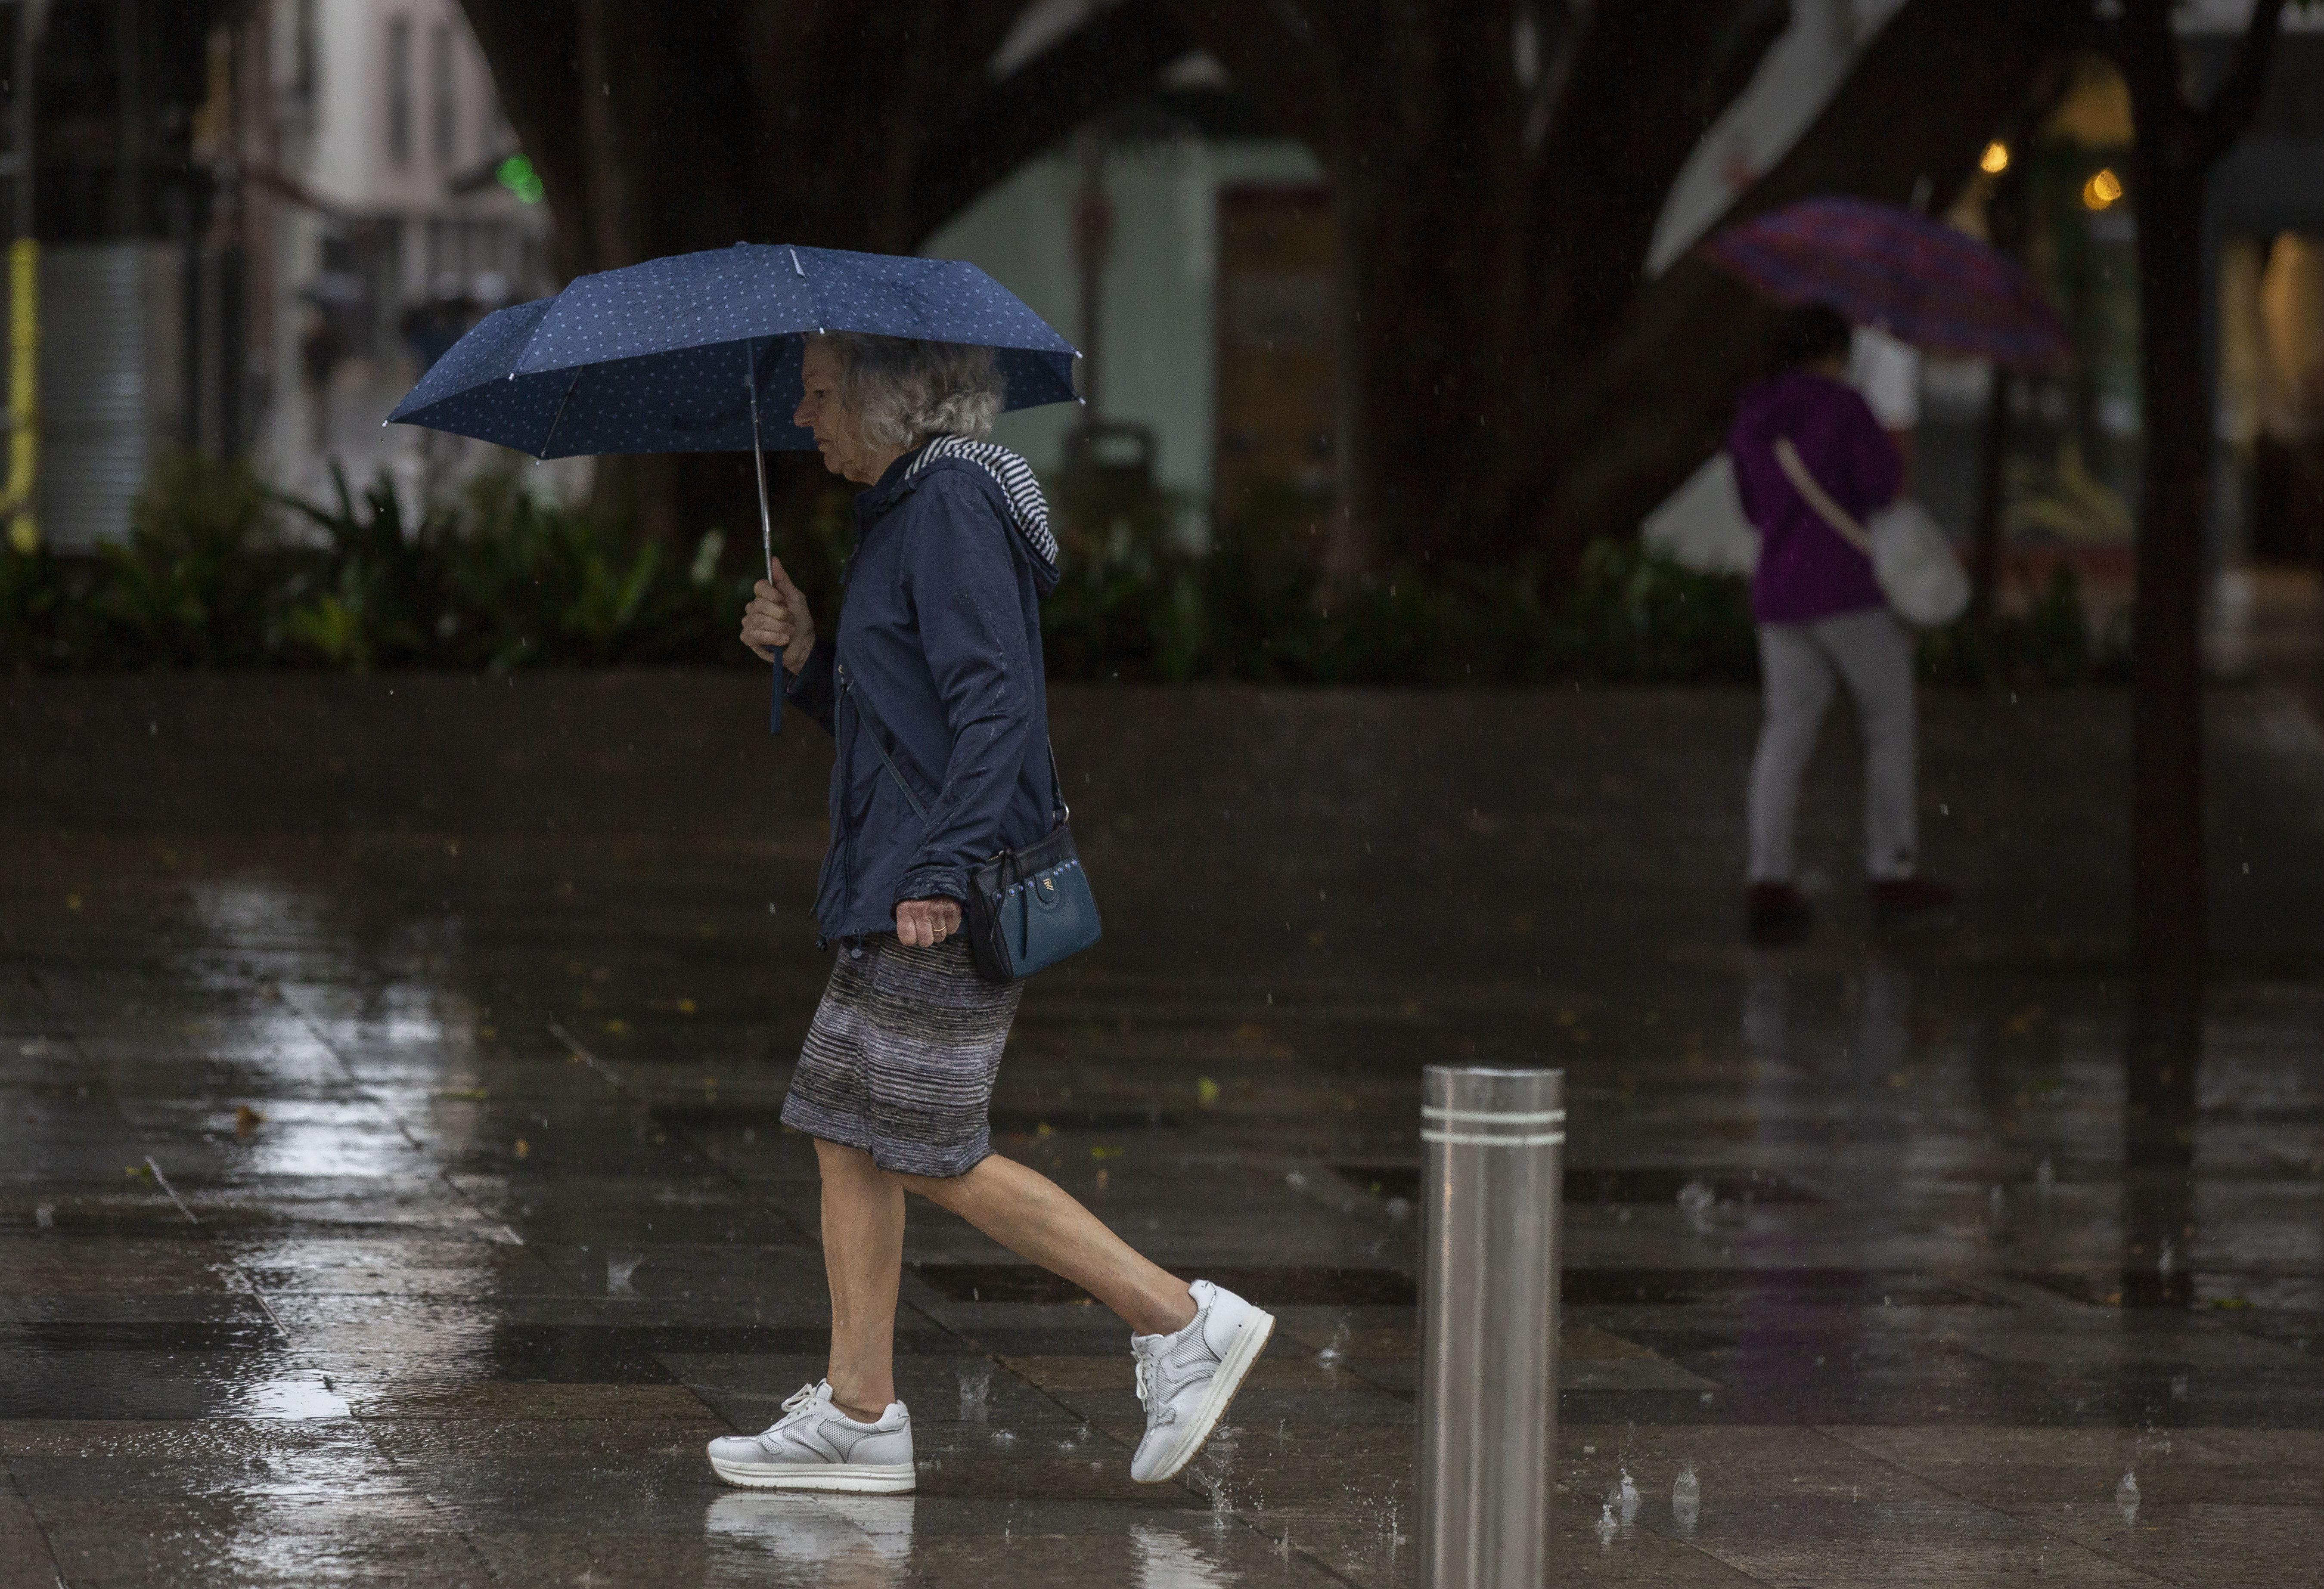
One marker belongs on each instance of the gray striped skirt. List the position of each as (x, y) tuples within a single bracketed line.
[(901, 1056)]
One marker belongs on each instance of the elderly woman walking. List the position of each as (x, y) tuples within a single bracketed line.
[(1822, 622), (934, 677)]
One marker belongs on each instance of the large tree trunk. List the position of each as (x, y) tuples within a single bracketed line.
[(659, 128), (2168, 899), (1495, 202), (1510, 378), (2177, 145), (1922, 102)]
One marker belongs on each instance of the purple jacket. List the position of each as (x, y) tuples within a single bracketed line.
[(1807, 571)]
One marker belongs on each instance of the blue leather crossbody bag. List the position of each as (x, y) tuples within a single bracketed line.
[(1026, 909)]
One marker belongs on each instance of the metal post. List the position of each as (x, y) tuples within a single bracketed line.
[(1494, 1141)]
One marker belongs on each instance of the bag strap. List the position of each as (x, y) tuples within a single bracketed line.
[(1064, 812), (1795, 470)]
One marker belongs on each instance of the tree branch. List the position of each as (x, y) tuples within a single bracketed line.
[(534, 49), (2221, 122), (1735, 53), (1117, 54), (1922, 101), (2146, 51), (1281, 58), (1561, 46), (1618, 143)]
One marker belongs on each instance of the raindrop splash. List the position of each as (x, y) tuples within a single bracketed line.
[(1686, 1499), (1333, 1356), (1169, 1560), (2126, 1498), (976, 1389), (1627, 1497), (1696, 1199), (1605, 1528), (618, 1273)]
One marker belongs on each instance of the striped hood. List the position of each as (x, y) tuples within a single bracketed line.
[(1029, 509)]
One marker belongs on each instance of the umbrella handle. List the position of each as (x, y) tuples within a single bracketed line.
[(766, 523)]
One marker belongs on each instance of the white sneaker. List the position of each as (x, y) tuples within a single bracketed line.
[(1186, 1380), (814, 1446)]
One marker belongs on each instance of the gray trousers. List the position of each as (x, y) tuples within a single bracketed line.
[(1799, 665)]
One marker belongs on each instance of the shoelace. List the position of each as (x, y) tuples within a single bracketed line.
[(1145, 1378), (797, 1405)]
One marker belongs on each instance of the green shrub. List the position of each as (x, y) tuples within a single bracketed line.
[(215, 576), (2051, 642), (193, 585)]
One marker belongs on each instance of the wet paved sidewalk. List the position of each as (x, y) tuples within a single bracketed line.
[(390, 1187)]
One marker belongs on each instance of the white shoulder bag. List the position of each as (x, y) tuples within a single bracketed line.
[(1911, 557)]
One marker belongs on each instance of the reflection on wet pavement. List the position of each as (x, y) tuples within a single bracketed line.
[(392, 1188)]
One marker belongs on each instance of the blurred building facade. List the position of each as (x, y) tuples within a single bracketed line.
[(395, 208), (255, 223)]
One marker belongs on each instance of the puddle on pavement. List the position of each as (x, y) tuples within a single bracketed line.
[(779, 1541), (1591, 1188), (975, 1392), (1165, 1559), (1283, 1286), (333, 1067)]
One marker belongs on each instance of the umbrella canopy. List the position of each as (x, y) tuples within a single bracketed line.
[(700, 353), (1917, 278), (669, 355)]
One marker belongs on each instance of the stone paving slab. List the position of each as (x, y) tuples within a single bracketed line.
[(510, 1225)]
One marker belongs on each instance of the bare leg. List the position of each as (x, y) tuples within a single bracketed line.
[(1033, 1218), (863, 1259)]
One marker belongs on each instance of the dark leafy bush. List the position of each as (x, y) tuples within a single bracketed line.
[(2049, 642), (194, 584), (1135, 603), (221, 573), (215, 575)]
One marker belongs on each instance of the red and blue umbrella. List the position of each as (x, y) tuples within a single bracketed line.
[(1917, 278)]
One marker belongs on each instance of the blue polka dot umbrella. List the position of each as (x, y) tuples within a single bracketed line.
[(699, 353)]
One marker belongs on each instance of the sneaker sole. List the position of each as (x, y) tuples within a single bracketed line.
[(1248, 1346), (857, 1478)]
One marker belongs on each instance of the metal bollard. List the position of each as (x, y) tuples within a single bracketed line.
[(1495, 1146)]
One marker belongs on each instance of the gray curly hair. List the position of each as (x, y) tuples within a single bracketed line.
[(906, 390)]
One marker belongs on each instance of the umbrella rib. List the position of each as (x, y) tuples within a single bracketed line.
[(559, 419)]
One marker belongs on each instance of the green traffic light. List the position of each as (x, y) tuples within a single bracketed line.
[(516, 174)]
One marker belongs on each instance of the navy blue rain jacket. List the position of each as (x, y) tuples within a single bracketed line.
[(940, 626)]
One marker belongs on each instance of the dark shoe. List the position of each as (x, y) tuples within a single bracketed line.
[(1779, 915), (1904, 897)]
